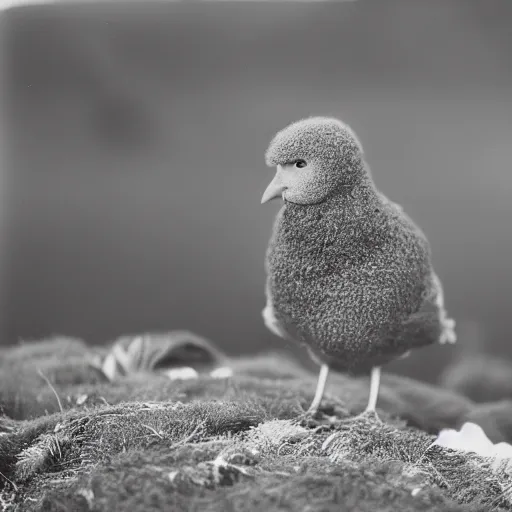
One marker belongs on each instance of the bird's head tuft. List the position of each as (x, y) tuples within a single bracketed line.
[(314, 157)]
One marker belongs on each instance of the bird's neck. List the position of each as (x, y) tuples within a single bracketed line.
[(349, 209), (360, 195)]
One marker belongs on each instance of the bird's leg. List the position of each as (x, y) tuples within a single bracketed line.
[(320, 387), (308, 418), (370, 411), (374, 391)]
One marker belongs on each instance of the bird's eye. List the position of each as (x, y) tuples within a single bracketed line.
[(300, 164)]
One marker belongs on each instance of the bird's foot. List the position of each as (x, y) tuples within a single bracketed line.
[(308, 419), (368, 416), (316, 420), (305, 417)]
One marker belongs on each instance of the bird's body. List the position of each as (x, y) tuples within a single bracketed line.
[(349, 274), (345, 278)]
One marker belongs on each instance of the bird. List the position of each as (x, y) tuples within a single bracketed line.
[(349, 274)]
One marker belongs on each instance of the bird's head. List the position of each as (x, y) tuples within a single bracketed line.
[(315, 158)]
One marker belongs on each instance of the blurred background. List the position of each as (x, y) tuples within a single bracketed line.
[(133, 140)]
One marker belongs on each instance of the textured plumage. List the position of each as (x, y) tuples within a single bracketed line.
[(348, 272)]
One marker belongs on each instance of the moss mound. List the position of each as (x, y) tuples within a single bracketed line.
[(73, 439)]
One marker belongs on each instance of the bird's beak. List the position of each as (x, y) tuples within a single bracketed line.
[(274, 189)]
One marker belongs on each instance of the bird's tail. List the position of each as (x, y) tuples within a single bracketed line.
[(448, 324)]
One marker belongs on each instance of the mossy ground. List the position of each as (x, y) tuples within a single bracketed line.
[(145, 442)]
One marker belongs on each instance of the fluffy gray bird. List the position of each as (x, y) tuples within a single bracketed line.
[(349, 274)]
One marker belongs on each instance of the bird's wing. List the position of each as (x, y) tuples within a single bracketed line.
[(272, 323), (430, 324), (435, 296), (402, 214)]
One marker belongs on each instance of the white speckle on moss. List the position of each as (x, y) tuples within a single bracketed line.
[(224, 372), (184, 373)]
